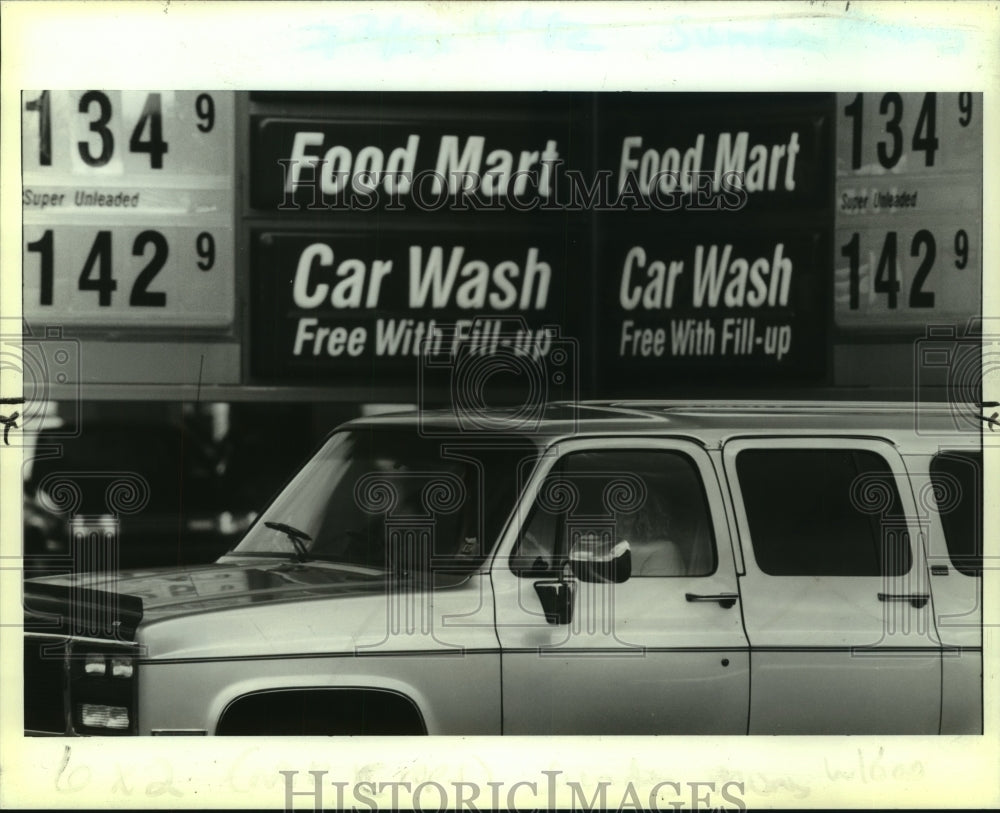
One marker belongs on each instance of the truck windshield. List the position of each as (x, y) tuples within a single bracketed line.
[(391, 500)]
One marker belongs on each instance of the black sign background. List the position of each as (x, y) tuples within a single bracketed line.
[(675, 120), (585, 245)]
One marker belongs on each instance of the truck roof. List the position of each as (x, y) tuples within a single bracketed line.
[(711, 422)]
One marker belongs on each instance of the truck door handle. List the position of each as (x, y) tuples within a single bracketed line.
[(916, 600), (725, 600)]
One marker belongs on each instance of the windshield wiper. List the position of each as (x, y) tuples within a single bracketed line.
[(295, 536)]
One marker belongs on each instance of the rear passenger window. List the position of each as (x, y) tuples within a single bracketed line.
[(958, 492), (823, 512)]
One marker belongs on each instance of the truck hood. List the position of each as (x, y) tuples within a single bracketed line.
[(237, 581), (247, 607)]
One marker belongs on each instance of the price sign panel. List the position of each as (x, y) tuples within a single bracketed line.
[(127, 202), (923, 274), (909, 210)]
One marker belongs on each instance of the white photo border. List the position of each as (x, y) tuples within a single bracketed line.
[(797, 46)]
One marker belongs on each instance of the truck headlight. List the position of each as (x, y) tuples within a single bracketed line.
[(94, 715), (121, 667), (102, 690), (95, 666)]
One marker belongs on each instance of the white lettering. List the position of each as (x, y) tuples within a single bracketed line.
[(303, 333), (730, 157), (300, 158), (399, 166), (301, 294), (470, 285), (535, 271), (769, 280), (459, 171), (709, 275), (422, 279), (628, 163)]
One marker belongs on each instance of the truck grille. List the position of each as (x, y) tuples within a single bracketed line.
[(45, 685)]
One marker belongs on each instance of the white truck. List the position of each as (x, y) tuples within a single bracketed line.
[(595, 568)]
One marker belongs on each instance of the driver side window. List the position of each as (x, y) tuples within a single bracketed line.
[(652, 499)]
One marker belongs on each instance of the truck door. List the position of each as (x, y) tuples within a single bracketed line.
[(661, 652), (948, 485), (836, 595)]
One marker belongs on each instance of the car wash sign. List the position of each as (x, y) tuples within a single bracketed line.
[(741, 301), (357, 302)]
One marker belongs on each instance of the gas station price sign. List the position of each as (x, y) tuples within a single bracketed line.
[(907, 246), (127, 202)]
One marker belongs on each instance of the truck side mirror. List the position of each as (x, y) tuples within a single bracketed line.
[(556, 597), (601, 562)]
